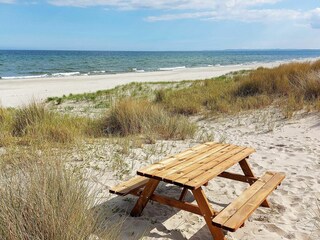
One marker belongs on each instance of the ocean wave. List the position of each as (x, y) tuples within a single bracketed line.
[(97, 72), (137, 70), (25, 77), (171, 68), (67, 74)]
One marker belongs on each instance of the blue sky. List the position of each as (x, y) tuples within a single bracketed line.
[(159, 24)]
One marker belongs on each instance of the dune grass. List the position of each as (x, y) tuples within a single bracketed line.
[(299, 83), (45, 201), (5, 126), (130, 116), (34, 123)]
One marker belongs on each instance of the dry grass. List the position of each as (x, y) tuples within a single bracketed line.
[(44, 201), (5, 121), (299, 83), (300, 79), (34, 123), (129, 117)]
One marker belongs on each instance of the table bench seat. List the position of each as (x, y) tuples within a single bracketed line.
[(127, 187), (235, 214)]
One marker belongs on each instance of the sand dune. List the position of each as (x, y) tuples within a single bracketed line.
[(290, 146)]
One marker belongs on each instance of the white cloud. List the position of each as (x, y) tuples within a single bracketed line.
[(237, 10), (244, 15), (315, 18), (7, 1), (163, 4)]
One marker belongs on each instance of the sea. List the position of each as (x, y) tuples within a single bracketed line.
[(42, 63)]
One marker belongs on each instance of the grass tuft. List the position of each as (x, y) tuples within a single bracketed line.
[(44, 201), (35, 122), (129, 117)]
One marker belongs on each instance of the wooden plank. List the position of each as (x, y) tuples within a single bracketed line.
[(125, 187), (234, 215), (169, 174), (238, 177), (144, 197), (199, 177), (248, 172), (207, 213), (198, 171), (253, 203), (173, 160), (179, 161), (197, 168), (233, 207)]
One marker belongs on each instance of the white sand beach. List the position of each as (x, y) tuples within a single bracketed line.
[(15, 92), (283, 145), (289, 146)]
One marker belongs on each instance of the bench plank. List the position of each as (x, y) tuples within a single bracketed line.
[(126, 187), (235, 214)]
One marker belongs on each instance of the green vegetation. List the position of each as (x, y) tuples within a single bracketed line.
[(131, 116), (104, 99), (34, 123), (291, 86)]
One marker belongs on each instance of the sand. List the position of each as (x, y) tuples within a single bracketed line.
[(16, 92), (289, 146)]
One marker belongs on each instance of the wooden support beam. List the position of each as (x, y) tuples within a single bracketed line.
[(172, 202), (189, 207), (208, 213), (238, 177), (183, 194), (248, 172), (144, 197)]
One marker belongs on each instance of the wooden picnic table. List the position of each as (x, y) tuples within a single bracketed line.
[(194, 168)]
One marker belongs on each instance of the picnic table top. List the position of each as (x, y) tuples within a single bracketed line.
[(195, 166)]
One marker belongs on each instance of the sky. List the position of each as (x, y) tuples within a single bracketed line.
[(159, 25)]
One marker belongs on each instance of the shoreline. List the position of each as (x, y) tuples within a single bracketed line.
[(17, 92)]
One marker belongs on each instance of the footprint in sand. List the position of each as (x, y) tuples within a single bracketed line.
[(274, 228)]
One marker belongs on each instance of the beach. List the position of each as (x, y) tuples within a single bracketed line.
[(288, 146), (16, 92), (159, 120), (284, 134)]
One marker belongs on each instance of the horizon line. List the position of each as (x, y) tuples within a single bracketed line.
[(205, 50)]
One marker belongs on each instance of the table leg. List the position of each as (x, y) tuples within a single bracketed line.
[(183, 194), (144, 197), (248, 172), (207, 213)]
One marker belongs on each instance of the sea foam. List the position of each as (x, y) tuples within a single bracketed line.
[(171, 68)]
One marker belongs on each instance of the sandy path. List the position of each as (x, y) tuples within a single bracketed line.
[(15, 92)]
